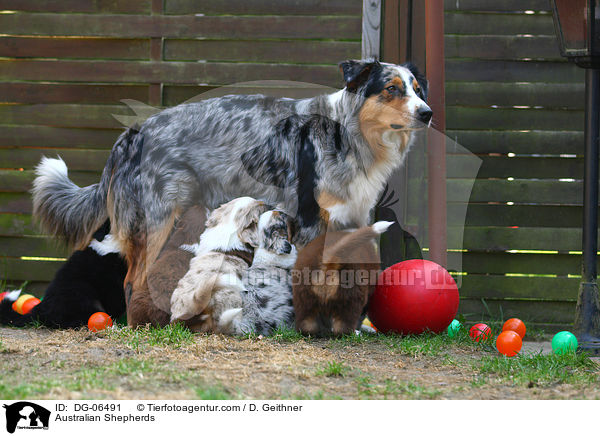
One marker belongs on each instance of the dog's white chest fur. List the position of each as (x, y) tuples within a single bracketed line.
[(363, 191)]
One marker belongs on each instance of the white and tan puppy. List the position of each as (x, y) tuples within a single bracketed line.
[(213, 282)]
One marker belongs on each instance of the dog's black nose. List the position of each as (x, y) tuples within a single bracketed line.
[(287, 248), (425, 114)]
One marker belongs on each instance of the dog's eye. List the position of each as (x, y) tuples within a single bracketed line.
[(391, 88), (418, 90)]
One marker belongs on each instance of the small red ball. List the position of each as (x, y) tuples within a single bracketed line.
[(2, 295), (413, 297), (509, 343), (516, 325), (99, 321), (29, 305), (480, 332)]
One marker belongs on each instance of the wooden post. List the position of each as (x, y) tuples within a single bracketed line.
[(371, 28), (436, 147)]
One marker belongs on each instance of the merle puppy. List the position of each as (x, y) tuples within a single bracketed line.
[(90, 281), (267, 294)]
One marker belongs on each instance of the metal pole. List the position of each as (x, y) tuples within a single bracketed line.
[(587, 318), (436, 146)]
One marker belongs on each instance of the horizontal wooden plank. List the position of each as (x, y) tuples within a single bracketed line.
[(506, 287), (21, 92), (517, 215), (504, 5), (176, 94), (460, 117), (64, 115), (475, 70), (517, 167), (29, 270), (517, 191), (20, 181), (522, 263), (88, 6), (182, 26), (522, 142), (521, 238), (76, 160), (211, 73), (31, 246), (298, 52), (15, 202), (17, 225), (531, 311), (486, 94), (498, 24), (74, 48), (502, 47), (60, 137), (268, 7)]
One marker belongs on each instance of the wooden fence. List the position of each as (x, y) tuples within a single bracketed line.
[(511, 100), (515, 103)]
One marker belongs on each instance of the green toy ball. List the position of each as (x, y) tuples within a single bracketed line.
[(564, 342), (454, 327)]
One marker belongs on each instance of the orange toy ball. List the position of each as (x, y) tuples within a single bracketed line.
[(480, 332), (516, 325), (29, 305), (99, 321), (509, 343), (17, 306)]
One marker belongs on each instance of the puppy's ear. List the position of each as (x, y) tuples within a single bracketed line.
[(356, 72), (247, 220), (421, 79)]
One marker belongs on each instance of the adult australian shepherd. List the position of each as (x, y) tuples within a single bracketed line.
[(319, 159)]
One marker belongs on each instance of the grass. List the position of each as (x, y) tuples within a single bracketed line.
[(540, 369), (128, 373), (286, 334), (333, 369), (393, 389), (139, 339)]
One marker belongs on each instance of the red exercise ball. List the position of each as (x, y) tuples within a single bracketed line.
[(413, 297)]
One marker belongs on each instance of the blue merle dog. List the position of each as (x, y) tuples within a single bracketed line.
[(321, 159)]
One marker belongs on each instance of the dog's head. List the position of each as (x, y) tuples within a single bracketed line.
[(239, 221), (275, 231), (393, 99)]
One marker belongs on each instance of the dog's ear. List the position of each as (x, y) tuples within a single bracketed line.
[(247, 219), (421, 79), (356, 72), (292, 227)]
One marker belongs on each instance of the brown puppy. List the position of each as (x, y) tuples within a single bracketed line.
[(152, 304), (335, 275), (173, 262)]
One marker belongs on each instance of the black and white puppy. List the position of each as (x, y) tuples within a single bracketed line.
[(267, 294), (90, 281)]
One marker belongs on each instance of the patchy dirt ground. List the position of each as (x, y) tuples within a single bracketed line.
[(73, 364)]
